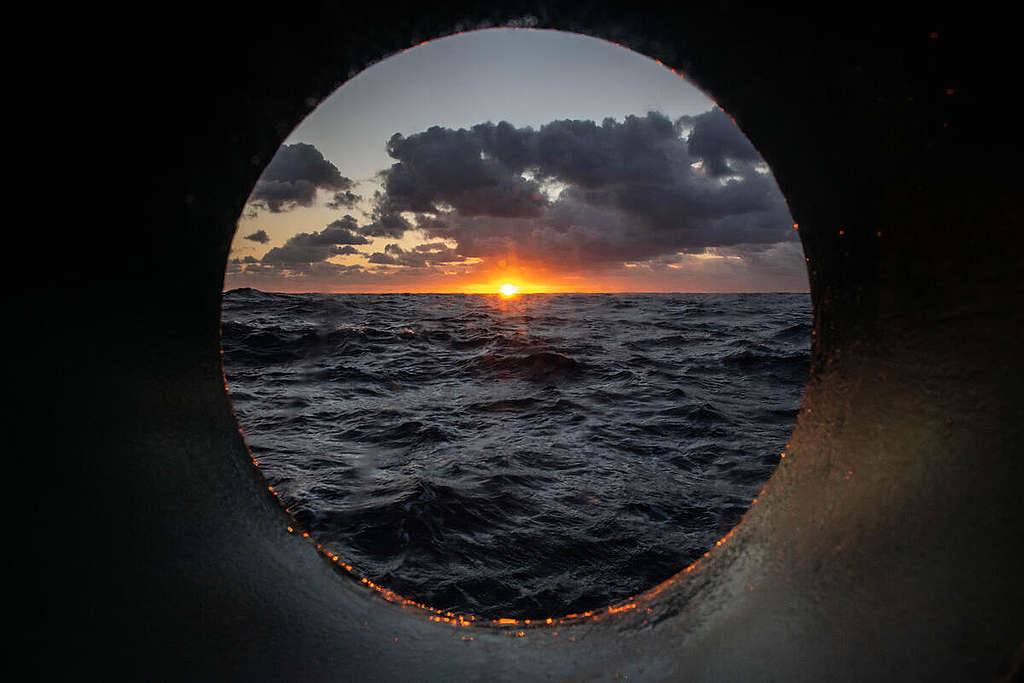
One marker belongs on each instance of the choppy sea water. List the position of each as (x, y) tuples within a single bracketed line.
[(525, 457)]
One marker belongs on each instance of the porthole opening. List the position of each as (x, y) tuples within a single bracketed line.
[(516, 324)]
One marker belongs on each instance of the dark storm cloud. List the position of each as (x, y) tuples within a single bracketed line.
[(293, 177), (312, 247), (715, 138), (630, 190), (636, 151), (260, 236), (442, 169)]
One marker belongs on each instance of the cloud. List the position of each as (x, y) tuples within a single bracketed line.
[(293, 177), (343, 200), (313, 247), (260, 236), (689, 198), (716, 139), (442, 169), (235, 264), (421, 256), (386, 225), (629, 190)]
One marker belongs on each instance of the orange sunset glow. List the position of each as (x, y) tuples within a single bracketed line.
[(508, 289)]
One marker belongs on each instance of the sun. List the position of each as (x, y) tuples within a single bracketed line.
[(508, 289)]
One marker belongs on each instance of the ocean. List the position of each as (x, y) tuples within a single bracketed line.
[(523, 457)]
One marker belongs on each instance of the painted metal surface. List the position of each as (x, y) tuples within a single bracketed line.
[(886, 546)]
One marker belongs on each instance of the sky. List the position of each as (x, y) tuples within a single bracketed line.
[(546, 160)]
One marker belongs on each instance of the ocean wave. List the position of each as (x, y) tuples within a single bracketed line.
[(528, 457), (536, 366)]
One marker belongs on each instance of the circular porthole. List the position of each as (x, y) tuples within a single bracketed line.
[(516, 324)]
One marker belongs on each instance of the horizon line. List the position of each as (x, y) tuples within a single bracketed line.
[(620, 291)]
